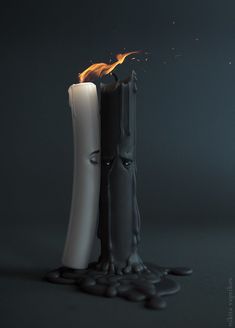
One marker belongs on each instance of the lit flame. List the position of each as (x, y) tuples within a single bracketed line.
[(101, 69)]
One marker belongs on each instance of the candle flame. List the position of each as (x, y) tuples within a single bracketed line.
[(101, 69)]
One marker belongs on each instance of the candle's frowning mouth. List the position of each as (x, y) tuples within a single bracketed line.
[(101, 69)]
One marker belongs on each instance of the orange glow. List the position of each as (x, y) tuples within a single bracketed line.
[(101, 69)]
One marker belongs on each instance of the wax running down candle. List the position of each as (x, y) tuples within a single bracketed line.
[(86, 177)]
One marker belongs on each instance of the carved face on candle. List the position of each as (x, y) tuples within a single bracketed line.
[(118, 170)]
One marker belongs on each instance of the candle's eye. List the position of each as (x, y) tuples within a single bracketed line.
[(108, 162), (94, 157), (126, 162)]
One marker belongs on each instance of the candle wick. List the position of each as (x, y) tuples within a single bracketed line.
[(115, 76)]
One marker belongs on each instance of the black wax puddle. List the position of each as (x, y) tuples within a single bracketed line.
[(149, 286)]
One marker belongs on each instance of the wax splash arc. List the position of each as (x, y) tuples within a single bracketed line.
[(120, 271)]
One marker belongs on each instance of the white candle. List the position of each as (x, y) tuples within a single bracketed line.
[(86, 178)]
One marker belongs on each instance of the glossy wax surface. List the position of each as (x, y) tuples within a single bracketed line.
[(86, 178)]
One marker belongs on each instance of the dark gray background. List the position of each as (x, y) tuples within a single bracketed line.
[(186, 151)]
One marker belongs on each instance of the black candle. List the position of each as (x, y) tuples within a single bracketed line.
[(119, 220)]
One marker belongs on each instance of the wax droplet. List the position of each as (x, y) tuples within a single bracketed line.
[(230, 63), (196, 39)]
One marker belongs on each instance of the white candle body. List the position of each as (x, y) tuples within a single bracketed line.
[(86, 178)]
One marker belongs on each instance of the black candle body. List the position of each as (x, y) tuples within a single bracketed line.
[(119, 220)]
